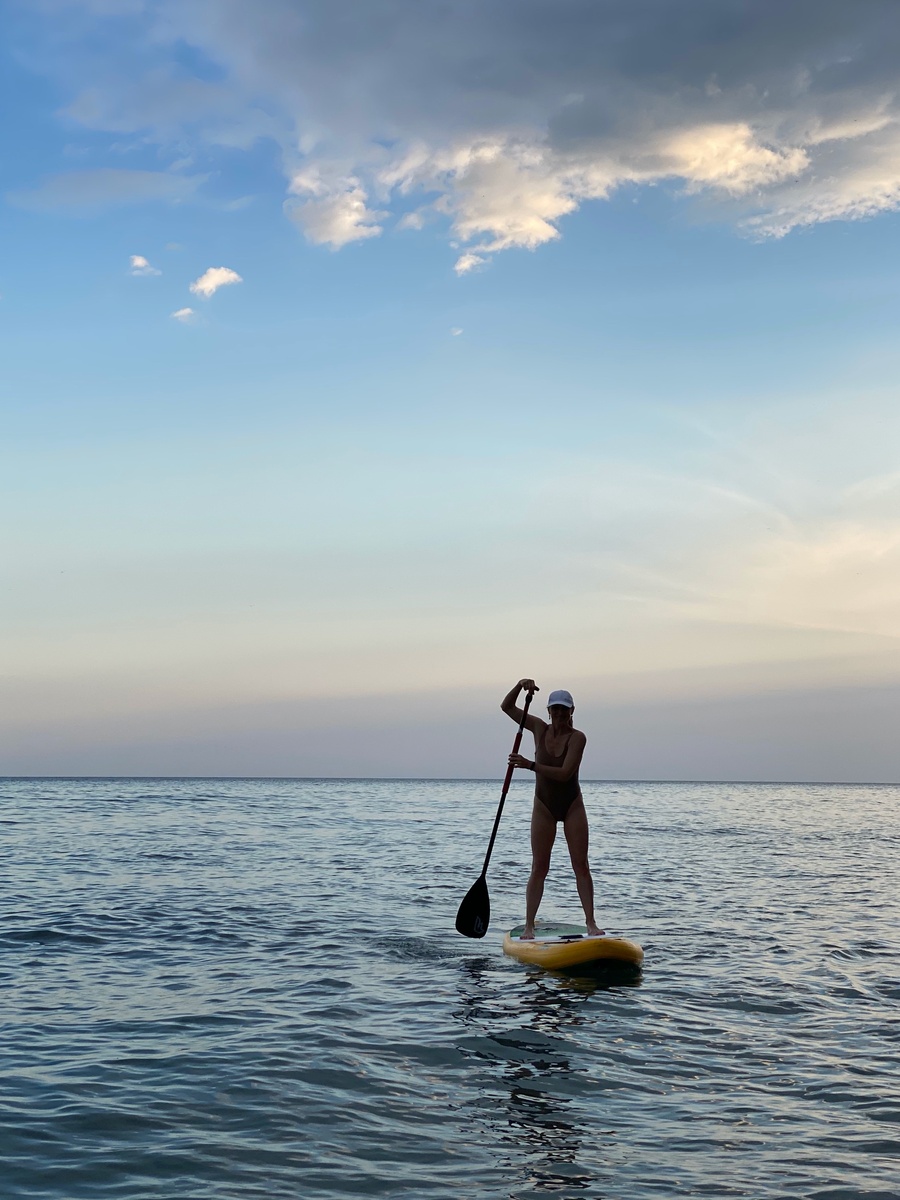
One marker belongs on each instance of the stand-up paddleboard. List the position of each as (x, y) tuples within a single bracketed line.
[(558, 945)]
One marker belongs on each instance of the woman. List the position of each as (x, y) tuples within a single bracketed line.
[(559, 748)]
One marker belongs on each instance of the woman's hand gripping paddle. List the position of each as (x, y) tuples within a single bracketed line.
[(474, 914)]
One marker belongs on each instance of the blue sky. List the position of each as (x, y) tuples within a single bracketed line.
[(585, 370)]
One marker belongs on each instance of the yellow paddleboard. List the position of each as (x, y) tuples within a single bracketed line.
[(558, 945)]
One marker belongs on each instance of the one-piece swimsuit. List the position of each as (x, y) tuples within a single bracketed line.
[(557, 796)]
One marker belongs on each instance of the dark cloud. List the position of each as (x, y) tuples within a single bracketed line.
[(415, 62)]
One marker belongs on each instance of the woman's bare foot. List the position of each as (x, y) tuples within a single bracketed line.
[(593, 931), (527, 934)]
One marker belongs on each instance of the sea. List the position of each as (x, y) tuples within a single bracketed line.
[(225, 989)]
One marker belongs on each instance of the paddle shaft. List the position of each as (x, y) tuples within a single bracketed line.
[(507, 781)]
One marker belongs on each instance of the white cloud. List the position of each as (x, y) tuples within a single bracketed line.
[(412, 220), (468, 262), (455, 331), (505, 193), (184, 315), (334, 208), (140, 266), (509, 192), (212, 279), (731, 158)]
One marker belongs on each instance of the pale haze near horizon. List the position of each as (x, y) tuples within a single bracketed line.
[(356, 366)]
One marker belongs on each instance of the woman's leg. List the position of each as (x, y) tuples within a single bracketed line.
[(543, 835), (576, 831)]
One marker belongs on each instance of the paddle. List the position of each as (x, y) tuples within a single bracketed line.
[(474, 914)]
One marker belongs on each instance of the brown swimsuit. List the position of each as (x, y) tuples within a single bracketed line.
[(556, 796)]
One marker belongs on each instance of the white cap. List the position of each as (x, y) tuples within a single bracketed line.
[(561, 697)]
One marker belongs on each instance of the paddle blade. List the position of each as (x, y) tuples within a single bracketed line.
[(474, 914)]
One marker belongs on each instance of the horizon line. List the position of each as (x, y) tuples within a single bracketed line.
[(451, 779)]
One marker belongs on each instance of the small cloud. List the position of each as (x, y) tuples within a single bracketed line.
[(140, 266), (455, 331), (184, 315), (468, 262), (210, 281)]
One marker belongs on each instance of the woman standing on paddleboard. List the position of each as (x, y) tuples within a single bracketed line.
[(558, 750)]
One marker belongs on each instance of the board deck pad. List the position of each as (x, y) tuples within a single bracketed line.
[(552, 931)]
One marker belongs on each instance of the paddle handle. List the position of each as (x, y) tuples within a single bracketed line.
[(506, 782)]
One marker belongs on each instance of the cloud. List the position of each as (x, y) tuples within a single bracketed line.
[(863, 182), (184, 315), (838, 575), (140, 266), (513, 193), (412, 220), (455, 331), (468, 262), (729, 157), (85, 193), (779, 532), (160, 101), (334, 208), (212, 279), (500, 118)]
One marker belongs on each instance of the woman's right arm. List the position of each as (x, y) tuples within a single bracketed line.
[(509, 706)]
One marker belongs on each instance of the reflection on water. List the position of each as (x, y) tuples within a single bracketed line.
[(528, 1082)]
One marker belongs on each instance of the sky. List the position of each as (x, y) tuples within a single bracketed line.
[(360, 357)]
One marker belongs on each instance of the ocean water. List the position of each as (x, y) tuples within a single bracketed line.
[(224, 989)]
